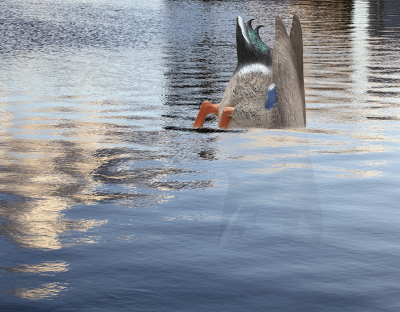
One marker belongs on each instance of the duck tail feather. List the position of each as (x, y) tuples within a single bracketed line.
[(296, 37), (286, 76)]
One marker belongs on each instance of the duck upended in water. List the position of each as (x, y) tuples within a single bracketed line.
[(267, 86)]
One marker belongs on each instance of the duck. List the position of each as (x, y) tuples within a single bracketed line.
[(266, 89)]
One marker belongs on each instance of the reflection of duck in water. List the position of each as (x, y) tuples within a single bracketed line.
[(267, 86)]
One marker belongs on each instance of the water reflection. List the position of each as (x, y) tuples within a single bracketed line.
[(360, 51), (43, 179), (64, 140), (337, 48), (62, 128), (96, 109), (343, 69), (327, 56), (45, 268), (45, 291)]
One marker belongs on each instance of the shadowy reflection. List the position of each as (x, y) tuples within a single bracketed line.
[(327, 29), (384, 35), (383, 16), (261, 181)]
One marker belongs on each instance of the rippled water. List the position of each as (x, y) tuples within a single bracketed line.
[(109, 201)]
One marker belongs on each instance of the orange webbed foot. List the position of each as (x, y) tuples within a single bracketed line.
[(206, 108), (226, 117)]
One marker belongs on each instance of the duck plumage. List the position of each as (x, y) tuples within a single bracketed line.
[(267, 87)]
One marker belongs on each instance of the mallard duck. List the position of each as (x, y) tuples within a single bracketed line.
[(267, 87)]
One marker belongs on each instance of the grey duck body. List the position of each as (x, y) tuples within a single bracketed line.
[(258, 68)]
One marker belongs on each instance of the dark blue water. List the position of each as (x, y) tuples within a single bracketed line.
[(109, 201)]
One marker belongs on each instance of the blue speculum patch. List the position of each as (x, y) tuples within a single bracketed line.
[(271, 97)]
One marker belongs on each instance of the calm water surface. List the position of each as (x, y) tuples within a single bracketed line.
[(110, 202)]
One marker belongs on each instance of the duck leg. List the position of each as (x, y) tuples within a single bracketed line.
[(206, 108), (226, 117)]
